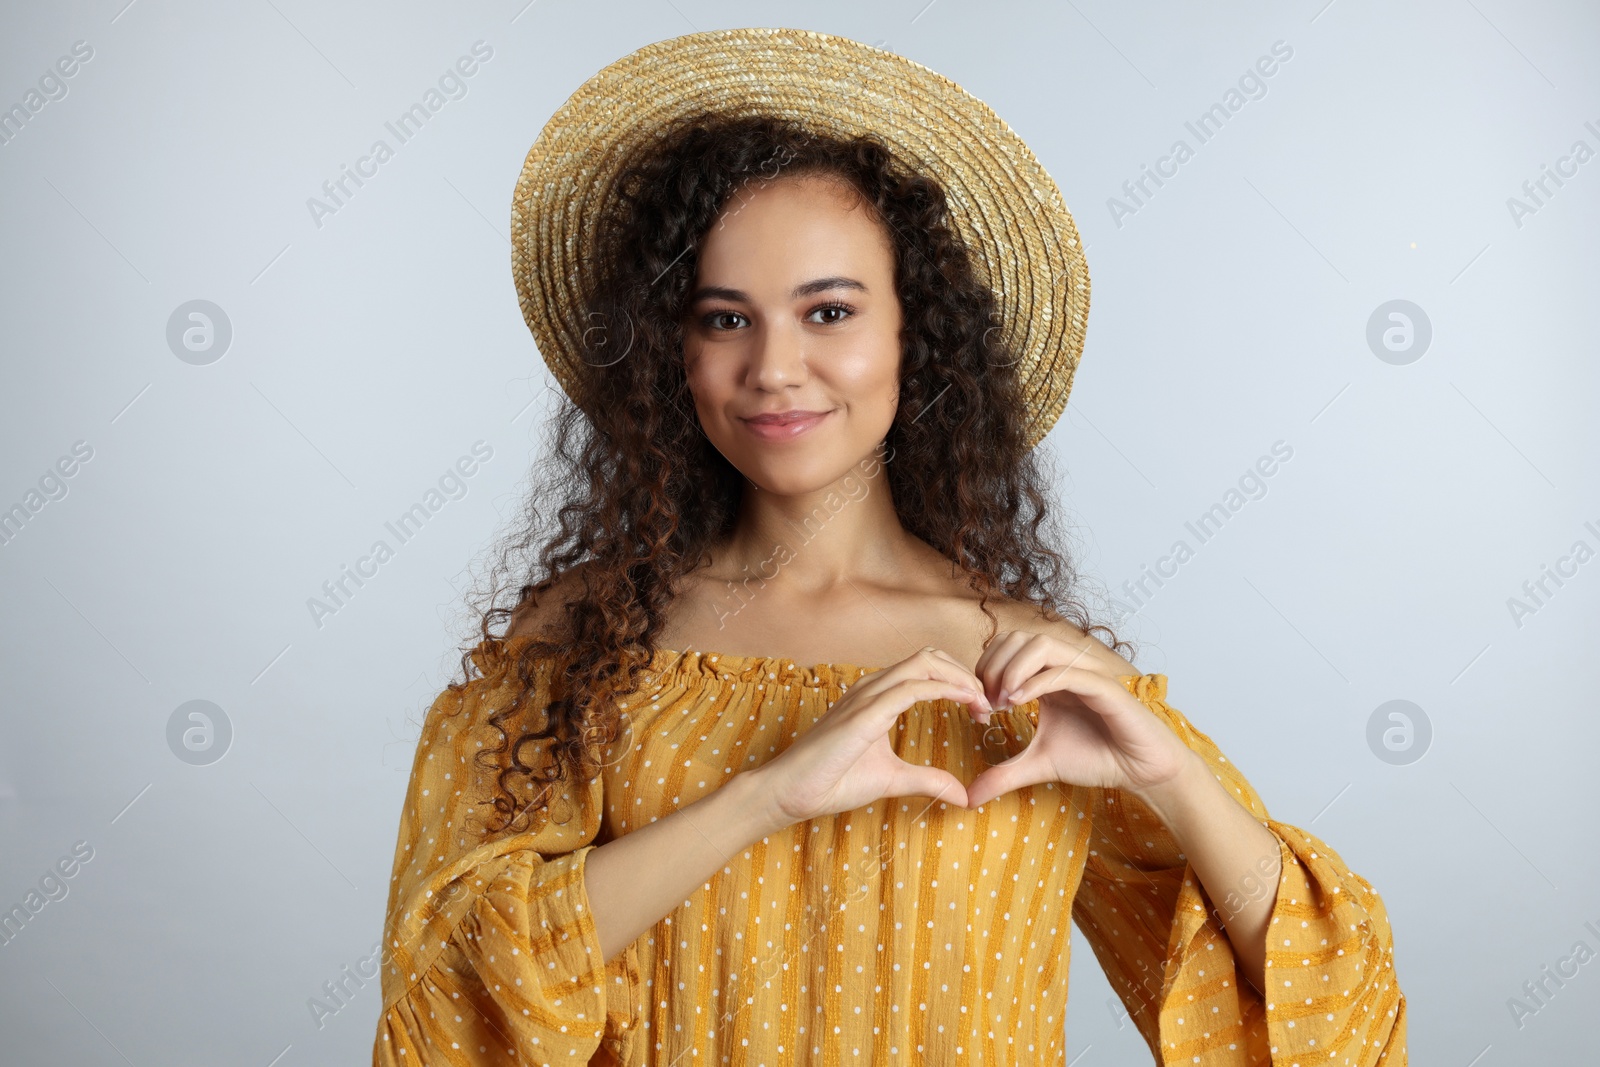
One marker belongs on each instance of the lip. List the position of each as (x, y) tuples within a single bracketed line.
[(784, 426)]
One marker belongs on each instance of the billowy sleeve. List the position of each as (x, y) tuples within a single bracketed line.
[(1332, 994), (490, 954)]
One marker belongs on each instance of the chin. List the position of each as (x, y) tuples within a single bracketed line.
[(796, 473), (790, 475), (808, 465)]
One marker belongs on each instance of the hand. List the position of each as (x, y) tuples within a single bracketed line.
[(1091, 731), (845, 759)]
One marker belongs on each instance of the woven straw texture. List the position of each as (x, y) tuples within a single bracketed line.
[(1002, 202)]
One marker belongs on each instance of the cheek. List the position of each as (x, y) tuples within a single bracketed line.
[(875, 372), (871, 363), (694, 369), (710, 386)]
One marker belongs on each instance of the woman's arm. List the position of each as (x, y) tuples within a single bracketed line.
[(640, 877), (1226, 845), (843, 761), (1159, 904), (1219, 936), (1228, 849), (637, 879)]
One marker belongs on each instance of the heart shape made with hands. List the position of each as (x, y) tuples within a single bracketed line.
[(1091, 729)]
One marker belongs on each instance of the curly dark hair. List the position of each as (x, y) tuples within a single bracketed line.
[(641, 495)]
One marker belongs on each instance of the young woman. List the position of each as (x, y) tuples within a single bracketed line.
[(801, 746)]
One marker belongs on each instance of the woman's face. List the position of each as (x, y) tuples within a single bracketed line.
[(794, 310)]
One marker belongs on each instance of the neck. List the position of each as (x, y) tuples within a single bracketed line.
[(813, 542)]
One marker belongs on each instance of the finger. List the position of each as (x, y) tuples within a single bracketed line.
[(996, 654), (1020, 658), (1023, 769), (914, 781), (998, 667), (967, 678), (1041, 655), (875, 682), (931, 663), (882, 709), (948, 658), (920, 664), (993, 663), (1080, 681)]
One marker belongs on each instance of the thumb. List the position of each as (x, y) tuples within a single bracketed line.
[(928, 782), (1002, 778)]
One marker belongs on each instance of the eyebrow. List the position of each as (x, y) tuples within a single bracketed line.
[(811, 288)]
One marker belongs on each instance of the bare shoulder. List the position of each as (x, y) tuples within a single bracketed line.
[(1021, 615), (547, 618)]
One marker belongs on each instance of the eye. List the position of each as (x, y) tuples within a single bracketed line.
[(831, 313), (719, 320)]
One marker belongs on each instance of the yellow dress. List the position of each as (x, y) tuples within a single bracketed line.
[(909, 930)]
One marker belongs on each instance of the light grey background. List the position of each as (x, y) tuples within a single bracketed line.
[(1230, 312)]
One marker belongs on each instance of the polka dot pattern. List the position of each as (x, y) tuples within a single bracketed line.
[(1161, 940), (908, 930)]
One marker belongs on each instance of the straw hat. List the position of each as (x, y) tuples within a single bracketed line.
[(1002, 202)]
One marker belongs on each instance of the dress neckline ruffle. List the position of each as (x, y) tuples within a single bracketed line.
[(715, 665), (726, 666)]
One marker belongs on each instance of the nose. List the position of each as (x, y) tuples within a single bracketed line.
[(777, 358)]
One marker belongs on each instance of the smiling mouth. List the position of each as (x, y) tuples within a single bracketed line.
[(784, 427)]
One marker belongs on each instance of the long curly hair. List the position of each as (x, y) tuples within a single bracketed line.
[(639, 495)]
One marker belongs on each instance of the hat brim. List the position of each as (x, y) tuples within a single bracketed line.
[(1002, 202)]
